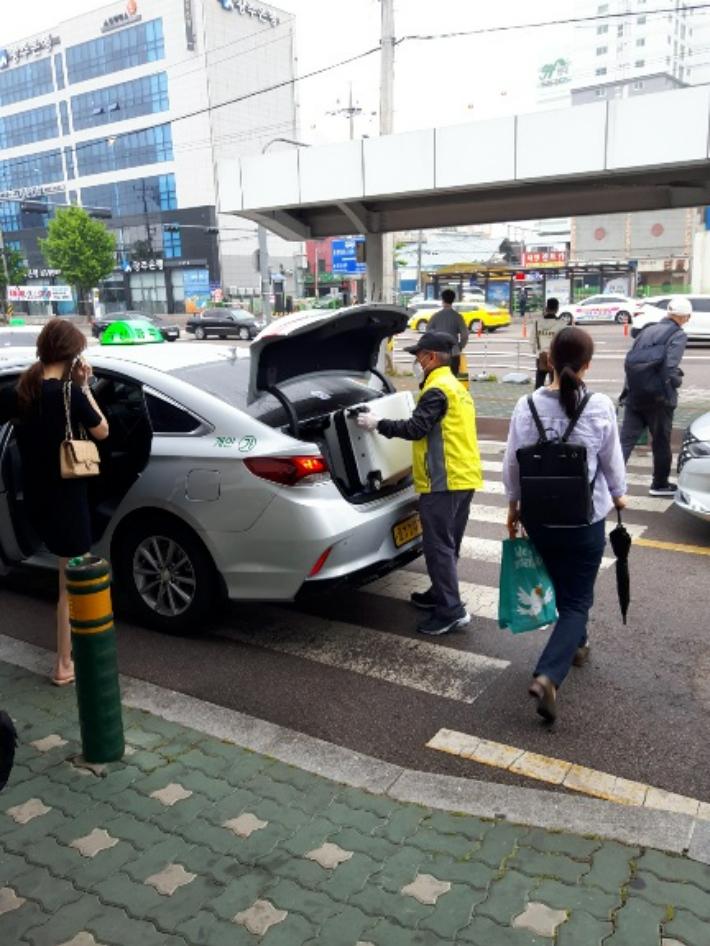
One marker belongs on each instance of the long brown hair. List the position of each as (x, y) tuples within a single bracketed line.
[(570, 349), (59, 341)]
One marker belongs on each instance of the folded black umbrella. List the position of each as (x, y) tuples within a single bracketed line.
[(620, 541)]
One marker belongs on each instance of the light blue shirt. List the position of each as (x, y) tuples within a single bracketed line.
[(596, 429)]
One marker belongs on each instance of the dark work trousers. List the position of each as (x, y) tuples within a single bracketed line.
[(540, 378), (444, 518), (659, 421), (572, 558)]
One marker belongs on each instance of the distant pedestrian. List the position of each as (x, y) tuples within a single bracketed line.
[(523, 301), (544, 335), (451, 322), (572, 554), (650, 396), (447, 471)]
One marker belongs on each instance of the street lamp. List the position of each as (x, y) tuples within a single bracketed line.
[(263, 245)]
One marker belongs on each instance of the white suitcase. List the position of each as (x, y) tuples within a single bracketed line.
[(363, 459)]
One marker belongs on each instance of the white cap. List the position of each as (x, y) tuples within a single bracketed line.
[(680, 305)]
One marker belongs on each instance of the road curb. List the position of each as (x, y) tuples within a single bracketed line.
[(666, 831)]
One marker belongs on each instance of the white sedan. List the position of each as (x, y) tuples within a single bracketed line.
[(602, 308), (693, 493), (655, 308)]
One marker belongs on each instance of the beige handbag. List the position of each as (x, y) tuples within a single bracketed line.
[(77, 458)]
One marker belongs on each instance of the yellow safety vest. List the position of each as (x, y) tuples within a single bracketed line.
[(448, 458)]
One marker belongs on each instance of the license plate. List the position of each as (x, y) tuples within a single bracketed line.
[(407, 529)]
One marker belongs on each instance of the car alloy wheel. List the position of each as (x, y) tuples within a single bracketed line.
[(244, 333), (199, 333), (164, 575), (421, 326), (476, 325), (623, 317), (566, 318)]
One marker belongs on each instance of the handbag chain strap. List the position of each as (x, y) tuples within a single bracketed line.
[(67, 411)]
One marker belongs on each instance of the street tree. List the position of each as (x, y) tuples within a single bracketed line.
[(82, 248), (16, 272)]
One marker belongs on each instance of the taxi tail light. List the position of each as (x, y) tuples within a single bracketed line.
[(289, 471), (322, 559)]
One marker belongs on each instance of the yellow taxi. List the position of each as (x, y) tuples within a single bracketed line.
[(476, 315)]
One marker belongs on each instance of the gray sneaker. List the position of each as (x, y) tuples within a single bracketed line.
[(436, 626), (668, 491)]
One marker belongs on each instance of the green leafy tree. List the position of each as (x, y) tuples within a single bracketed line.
[(16, 272), (82, 248)]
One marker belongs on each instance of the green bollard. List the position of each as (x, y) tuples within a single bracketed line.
[(94, 650)]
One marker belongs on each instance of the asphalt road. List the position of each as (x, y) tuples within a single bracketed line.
[(350, 668)]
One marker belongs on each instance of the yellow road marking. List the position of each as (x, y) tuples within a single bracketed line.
[(577, 778), (673, 547)]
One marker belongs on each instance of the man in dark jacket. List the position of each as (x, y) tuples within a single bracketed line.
[(450, 322), (643, 411)]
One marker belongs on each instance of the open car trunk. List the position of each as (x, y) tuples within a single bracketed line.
[(312, 374)]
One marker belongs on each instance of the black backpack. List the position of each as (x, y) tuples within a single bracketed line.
[(554, 477), (647, 379)]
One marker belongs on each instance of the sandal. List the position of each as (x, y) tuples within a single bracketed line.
[(63, 681)]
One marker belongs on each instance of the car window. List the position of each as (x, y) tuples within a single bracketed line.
[(169, 418), (592, 300), (700, 304), (12, 339)]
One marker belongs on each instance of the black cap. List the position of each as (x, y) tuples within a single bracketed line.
[(434, 341)]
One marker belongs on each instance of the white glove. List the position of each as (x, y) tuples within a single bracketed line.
[(368, 420)]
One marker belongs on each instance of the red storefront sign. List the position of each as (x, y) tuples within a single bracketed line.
[(551, 258)]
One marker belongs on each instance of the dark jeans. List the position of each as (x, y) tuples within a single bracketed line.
[(659, 421), (572, 557), (540, 378), (444, 517)]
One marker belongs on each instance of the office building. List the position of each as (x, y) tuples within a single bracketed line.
[(132, 107)]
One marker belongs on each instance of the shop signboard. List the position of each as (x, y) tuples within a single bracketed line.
[(345, 256), (551, 258), (39, 294)]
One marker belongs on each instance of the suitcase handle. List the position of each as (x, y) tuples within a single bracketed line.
[(360, 409)]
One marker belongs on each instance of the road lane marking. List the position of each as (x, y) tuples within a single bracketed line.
[(635, 503), (419, 665), (632, 479), (577, 778), (497, 514), (674, 547), (481, 600)]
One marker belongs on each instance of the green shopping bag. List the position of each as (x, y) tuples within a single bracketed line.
[(526, 597)]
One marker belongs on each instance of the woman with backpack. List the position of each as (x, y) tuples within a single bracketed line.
[(572, 553)]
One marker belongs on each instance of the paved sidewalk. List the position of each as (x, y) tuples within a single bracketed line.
[(192, 841)]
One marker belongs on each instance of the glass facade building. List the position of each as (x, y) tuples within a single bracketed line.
[(150, 146), (25, 128), (145, 195), (124, 49), (26, 82), (117, 103)]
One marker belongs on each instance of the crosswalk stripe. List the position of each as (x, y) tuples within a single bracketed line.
[(496, 515), (636, 503), (632, 479), (417, 664), (498, 447), (481, 600)]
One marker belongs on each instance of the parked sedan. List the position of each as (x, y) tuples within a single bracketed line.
[(693, 493), (224, 323), (601, 308), (169, 330), (477, 315), (222, 472), (654, 308)]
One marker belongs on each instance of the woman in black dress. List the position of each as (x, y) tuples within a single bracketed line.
[(57, 508)]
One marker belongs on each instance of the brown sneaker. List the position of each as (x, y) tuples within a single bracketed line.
[(543, 689), (582, 655)]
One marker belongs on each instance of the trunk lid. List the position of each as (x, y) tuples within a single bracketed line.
[(311, 343)]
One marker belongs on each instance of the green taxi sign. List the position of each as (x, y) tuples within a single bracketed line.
[(131, 332), (16, 321)]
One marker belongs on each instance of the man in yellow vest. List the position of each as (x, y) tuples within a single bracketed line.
[(447, 471)]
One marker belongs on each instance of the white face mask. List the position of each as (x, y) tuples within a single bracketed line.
[(418, 372)]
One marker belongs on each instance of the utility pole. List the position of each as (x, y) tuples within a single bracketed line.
[(4, 269), (420, 237), (380, 246)]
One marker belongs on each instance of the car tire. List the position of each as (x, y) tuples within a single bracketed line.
[(622, 318), (566, 317), (182, 603), (200, 333), (421, 326), (170, 338), (475, 325), (244, 333)]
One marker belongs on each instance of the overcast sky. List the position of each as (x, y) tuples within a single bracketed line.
[(438, 82)]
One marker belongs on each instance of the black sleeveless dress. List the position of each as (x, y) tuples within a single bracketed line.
[(58, 509)]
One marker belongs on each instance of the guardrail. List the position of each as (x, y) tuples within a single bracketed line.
[(484, 354)]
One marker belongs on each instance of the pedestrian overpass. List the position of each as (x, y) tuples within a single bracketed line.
[(647, 152)]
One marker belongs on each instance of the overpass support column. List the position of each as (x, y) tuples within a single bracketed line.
[(379, 249)]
